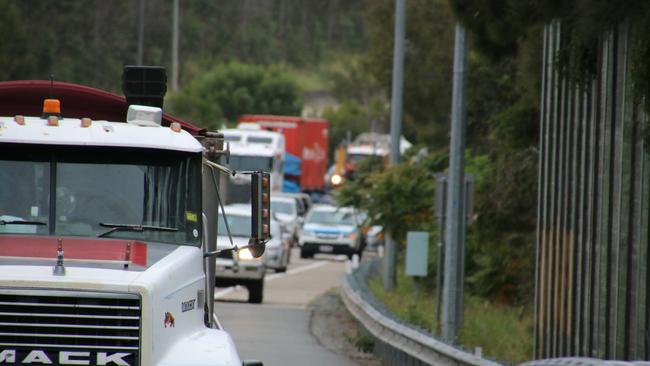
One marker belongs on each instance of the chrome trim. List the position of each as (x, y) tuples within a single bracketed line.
[(73, 316), (60, 346), (67, 293), (70, 305), (46, 325), (66, 336)]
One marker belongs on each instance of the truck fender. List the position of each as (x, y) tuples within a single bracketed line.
[(208, 347)]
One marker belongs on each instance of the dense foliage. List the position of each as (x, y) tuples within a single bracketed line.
[(89, 41), (502, 105), (500, 25), (226, 91)]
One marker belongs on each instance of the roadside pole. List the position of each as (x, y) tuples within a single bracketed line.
[(452, 303), (390, 259), (175, 48), (140, 56)]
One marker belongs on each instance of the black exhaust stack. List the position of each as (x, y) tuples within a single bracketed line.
[(144, 85)]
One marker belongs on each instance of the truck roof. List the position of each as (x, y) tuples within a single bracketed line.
[(261, 118), (69, 131), (25, 97), (367, 150)]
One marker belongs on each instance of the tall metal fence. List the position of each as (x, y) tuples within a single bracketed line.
[(592, 243)]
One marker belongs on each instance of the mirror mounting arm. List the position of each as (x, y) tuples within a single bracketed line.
[(252, 245)]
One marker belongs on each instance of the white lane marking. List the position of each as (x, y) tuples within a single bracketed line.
[(309, 267), (293, 271)]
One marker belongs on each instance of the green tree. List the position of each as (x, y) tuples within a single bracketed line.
[(229, 90)]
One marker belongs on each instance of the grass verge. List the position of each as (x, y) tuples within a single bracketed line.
[(503, 332)]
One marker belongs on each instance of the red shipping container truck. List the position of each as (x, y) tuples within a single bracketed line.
[(306, 138)]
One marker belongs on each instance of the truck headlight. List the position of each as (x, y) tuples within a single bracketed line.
[(336, 179), (245, 254)]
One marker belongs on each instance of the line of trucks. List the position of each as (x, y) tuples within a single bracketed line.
[(292, 149), (108, 220)]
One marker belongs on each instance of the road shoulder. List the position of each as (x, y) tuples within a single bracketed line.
[(336, 330)]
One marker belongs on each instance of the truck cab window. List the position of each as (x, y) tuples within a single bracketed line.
[(95, 187), (24, 195)]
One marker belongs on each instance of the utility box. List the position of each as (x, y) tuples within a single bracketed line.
[(417, 253)]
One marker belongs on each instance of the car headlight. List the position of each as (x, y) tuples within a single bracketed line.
[(352, 235), (245, 254), (307, 233)]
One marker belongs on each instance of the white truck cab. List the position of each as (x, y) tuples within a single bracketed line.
[(102, 241), (254, 149)]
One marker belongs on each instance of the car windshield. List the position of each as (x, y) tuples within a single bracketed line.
[(239, 225), (239, 162), (283, 207), (330, 218), (153, 195)]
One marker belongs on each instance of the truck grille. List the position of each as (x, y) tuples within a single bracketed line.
[(72, 325)]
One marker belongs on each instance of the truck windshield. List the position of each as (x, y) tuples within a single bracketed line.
[(74, 191), (240, 162)]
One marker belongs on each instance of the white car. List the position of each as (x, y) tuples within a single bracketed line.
[(331, 230), (239, 268), (285, 210), (278, 249)]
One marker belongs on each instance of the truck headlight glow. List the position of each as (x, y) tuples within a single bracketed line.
[(245, 254), (336, 179)]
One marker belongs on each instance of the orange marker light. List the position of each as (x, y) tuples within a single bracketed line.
[(51, 106), (20, 120), (175, 126), (86, 122)]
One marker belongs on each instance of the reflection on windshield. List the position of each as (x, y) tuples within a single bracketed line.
[(238, 162), (95, 185), (239, 225), (282, 207), (24, 195), (330, 218)]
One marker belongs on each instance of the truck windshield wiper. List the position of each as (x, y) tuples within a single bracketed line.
[(21, 222), (132, 227)]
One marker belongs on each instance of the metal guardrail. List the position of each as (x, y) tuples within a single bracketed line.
[(398, 343), (583, 361)]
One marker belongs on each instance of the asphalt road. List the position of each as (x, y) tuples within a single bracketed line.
[(277, 331)]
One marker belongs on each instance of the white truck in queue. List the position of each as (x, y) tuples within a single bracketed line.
[(251, 149), (108, 234)]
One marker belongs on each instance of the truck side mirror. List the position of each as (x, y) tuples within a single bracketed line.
[(260, 212)]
